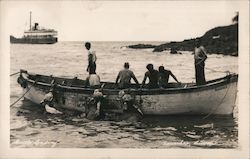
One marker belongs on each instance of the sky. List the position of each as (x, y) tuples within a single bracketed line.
[(119, 20)]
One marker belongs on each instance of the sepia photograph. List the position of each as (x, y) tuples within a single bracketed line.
[(146, 77)]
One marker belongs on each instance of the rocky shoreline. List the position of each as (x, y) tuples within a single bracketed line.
[(219, 40), (142, 46)]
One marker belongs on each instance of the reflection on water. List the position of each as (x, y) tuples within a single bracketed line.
[(31, 126)]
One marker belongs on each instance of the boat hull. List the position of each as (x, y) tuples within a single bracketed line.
[(215, 98), (50, 40), (214, 101)]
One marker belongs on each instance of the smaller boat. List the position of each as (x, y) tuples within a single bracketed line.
[(216, 97), (36, 35)]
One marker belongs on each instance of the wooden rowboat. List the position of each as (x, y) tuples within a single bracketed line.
[(216, 97)]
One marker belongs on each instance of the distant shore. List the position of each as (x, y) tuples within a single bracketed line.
[(219, 40)]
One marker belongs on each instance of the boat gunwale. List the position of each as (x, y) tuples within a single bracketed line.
[(212, 84)]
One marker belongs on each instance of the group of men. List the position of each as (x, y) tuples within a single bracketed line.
[(157, 78)]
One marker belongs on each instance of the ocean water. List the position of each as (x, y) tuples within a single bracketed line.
[(30, 126)]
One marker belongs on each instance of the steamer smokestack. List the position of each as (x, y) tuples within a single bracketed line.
[(30, 20)]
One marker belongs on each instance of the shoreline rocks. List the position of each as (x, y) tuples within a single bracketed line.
[(141, 46), (219, 40)]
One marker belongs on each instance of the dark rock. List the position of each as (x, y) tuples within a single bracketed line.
[(219, 40), (173, 51), (142, 46)]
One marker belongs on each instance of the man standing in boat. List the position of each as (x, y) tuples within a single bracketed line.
[(125, 76), (91, 59), (152, 75), (199, 62)]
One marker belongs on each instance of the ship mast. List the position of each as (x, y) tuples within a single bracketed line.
[(30, 20)]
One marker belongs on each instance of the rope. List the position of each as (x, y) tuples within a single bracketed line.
[(209, 114), (227, 72), (14, 73), (23, 95)]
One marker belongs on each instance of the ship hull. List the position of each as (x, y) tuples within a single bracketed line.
[(51, 40)]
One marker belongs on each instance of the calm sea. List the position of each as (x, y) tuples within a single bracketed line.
[(30, 126)]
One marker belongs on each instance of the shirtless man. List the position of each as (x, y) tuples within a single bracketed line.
[(93, 80), (152, 75), (124, 77), (164, 77)]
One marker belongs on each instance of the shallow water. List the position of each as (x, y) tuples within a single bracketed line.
[(31, 126)]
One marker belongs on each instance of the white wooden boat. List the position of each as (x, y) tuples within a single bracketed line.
[(216, 97)]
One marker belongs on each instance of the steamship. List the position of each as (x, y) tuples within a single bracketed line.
[(36, 35)]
